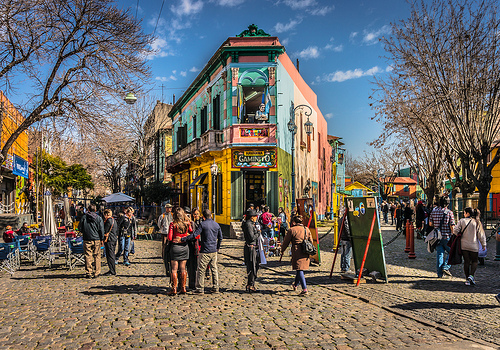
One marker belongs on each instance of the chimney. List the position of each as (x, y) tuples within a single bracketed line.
[(174, 100), (298, 65)]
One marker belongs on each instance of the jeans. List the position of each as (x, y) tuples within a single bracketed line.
[(123, 247), (385, 216), (345, 255), (441, 261), (300, 278)]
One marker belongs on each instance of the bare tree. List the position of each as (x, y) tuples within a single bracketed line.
[(446, 65), (75, 54)]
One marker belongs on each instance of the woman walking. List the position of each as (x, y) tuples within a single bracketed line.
[(300, 260), (472, 232), (179, 251)]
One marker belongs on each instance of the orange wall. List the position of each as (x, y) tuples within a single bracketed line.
[(11, 119)]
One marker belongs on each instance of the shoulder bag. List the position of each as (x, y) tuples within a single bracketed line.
[(455, 244), (307, 246)]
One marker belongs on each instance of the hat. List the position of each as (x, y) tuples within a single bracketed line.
[(251, 205), (168, 205), (8, 227), (187, 210), (251, 212)]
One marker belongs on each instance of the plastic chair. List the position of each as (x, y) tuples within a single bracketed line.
[(8, 259), (75, 253), (41, 250)]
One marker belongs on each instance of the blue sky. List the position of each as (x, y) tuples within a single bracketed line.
[(335, 41)]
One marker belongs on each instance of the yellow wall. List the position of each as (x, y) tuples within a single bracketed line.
[(495, 183), (11, 119)]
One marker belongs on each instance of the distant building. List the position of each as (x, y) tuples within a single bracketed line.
[(401, 187), (15, 169), (231, 142)]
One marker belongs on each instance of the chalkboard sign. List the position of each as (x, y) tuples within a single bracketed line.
[(360, 215)]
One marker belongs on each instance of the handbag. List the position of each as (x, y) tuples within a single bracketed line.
[(434, 237), (455, 244), (307, 246), (497, 236)]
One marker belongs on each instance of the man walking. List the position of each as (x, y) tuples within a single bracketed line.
[(127, 230), (442, 219), (92, 228), (210, 235), (163, 224)]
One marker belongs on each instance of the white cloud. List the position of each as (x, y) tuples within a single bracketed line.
[(183, 73), (338, 48), (228, 3), (161, 48), (329, 115), (164, 79), (310, 52), (371, 37), (340, 76), (285, 27), (194, 70), (321, 11), (285, 41), (187, 7), (174, 72), (389, 69), (299, 4), (353, 35)]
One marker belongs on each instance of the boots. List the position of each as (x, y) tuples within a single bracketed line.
[(183, 275), (173, 281)]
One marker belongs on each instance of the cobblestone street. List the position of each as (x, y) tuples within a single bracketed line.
[(59, 309)]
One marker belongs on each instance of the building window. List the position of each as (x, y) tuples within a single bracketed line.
[(406, 188), (194, 127), (204, 120), (219, 195), (216, 112), (181, 137), (253, 97)]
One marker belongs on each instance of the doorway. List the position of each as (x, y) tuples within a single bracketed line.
[(255, 188)]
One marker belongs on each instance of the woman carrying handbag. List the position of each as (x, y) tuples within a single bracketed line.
[(300, 260), (472, 234)]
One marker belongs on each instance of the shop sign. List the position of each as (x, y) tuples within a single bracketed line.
[(254, 132), (254, 159), (20, 167)]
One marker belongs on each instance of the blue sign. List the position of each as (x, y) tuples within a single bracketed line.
[(20, 167)]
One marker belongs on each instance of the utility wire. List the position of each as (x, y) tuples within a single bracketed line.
[(158, 19)]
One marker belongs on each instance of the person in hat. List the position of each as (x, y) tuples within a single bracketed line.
[(251, 248), (163, 224)]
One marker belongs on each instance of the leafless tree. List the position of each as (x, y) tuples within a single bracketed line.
[(446, 65), (76, 55)]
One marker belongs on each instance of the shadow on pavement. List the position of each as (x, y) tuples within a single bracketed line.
[(125, 289), (447, 306), (60, 276)]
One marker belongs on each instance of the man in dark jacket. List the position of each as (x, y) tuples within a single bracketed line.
[(110, 238), (92, 228), (251, 249), (210, 235)]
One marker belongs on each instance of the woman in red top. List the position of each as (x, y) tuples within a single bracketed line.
[(179, 251)]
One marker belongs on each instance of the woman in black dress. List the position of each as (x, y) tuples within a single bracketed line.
[(179, 251)]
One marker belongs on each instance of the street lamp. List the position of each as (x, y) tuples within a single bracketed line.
[(214, 169), (130, 98), (292, 127)]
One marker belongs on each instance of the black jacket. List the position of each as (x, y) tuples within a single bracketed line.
[(92, 227), (127, 227), (251, 232), (111, 226)]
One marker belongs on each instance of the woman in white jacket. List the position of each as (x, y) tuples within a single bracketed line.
[(472, 233)]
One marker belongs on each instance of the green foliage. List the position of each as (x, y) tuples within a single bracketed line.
[(58, 176), (157, 192)]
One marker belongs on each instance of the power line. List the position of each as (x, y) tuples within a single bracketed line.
[(158, 19)]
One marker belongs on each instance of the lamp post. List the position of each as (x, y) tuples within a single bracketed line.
[(214, 169), (292, 127)]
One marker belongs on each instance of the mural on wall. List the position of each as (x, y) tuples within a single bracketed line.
[(254, 159), (21, 197), (314, 187), (254, 132)]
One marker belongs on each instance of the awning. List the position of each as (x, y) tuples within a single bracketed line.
[(198, 180)]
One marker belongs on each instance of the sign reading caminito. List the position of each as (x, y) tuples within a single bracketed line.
[(254, 159)]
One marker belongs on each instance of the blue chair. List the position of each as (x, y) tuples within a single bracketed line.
[(41, 250), (8, 259), (23, 246), (75, 253)]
